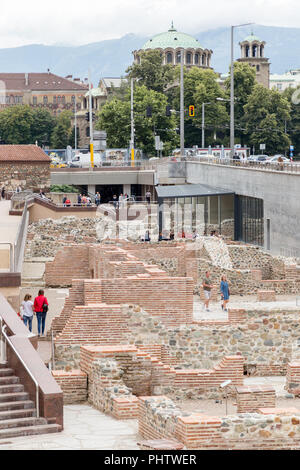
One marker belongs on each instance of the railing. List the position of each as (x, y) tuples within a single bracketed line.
[(3, 359), (266, 165), (20, 239)]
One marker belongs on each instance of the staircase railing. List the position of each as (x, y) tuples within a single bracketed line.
[(6, 337)]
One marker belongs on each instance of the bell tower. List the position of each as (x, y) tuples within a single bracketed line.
[(253, 53)]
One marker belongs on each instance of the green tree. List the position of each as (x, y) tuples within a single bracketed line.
[(62, 132), (114, 118), (151, 72), (244, 80), (16, 125), (265, 115), (293, 127), (42, 126), (201, 86)]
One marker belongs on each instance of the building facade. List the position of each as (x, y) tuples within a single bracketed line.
[(171, 44), (41, 90), (252, 53)]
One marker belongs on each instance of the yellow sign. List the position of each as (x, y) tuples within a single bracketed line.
[(92, 155), (132, 157)]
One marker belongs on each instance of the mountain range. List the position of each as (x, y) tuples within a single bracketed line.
[(111, 58)]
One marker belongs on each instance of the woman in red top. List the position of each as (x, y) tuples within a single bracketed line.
[(41, 307)]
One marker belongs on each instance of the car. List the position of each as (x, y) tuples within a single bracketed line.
[(276, 157)]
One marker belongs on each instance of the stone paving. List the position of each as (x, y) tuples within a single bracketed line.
[(288, 302), (85, 428)]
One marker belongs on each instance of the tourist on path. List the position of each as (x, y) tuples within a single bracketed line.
[(148, 197), (27, 311), (224, 288), (3, 193), (97, 199), (41, 309), (207, 286)]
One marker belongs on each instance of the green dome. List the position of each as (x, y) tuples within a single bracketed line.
[(172, 39), (252, 38)]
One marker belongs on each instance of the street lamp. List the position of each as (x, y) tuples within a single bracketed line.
[(232, 89)]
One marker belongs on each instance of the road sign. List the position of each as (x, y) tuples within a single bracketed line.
[(157, 142), (291, 148), (262, 147)]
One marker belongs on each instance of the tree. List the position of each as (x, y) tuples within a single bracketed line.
[(62, 132), (244, 77), (151, 72), (16, 124), (42, 126), (293, 127), (201, 86), (265, 115), (114, 118)]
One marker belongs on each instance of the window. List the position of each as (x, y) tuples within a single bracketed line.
[(204, 59), (169, 58), (58, 100), (73, 99), (196, 58), (63, 100), (54, 99), (189, 58), (279, 86), (257, 68), (45, 100), (178, 57)]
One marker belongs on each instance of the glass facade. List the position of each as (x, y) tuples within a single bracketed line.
[(205, 214), (250, 220)]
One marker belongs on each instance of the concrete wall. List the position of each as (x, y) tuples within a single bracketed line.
[(279, 190), (102, 177)]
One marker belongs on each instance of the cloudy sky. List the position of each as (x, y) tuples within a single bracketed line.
[(81, 22)]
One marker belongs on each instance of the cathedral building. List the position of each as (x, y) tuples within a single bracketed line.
[(171, 43)]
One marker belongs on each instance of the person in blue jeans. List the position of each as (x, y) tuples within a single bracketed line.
[(27, 311), (41, 308), (224, 288)]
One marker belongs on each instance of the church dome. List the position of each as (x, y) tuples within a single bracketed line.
[(172, 39), (251, 38)]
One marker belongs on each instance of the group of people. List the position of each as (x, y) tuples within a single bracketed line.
[(39, 308), (224, 290)]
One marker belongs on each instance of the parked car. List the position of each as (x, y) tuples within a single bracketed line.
[(275, 159)]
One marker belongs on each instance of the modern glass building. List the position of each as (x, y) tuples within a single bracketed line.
[(184, 209)]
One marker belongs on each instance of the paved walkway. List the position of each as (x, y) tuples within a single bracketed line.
[(248, 302), (9, 223), (85, 428)]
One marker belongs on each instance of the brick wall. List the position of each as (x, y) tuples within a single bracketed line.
[(73, 384), (71, 262), (252, 397), (270, 428)]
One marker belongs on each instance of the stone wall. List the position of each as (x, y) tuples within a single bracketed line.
[(270, 428), (27, 175)]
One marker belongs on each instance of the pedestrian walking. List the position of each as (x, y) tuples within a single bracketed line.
[(207, 286), (224, 288), (3, 193), (97, 199), (148, 197), (79, 199), (41, 308), (27, 311), (115, 201)]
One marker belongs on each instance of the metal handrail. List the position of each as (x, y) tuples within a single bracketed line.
[(23, 363)]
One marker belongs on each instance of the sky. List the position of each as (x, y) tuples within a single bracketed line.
[(75, 22)]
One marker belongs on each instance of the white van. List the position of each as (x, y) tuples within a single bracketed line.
[(83, 160)]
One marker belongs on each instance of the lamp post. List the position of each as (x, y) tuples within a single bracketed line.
[(232, 89), (203, 124), (181, 105)]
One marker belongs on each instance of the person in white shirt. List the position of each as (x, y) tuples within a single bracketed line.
[(27, 311)]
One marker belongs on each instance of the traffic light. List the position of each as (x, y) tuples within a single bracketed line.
[(93, 116), (168, 110), (192, 111), (87, 116), (149, 111)]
